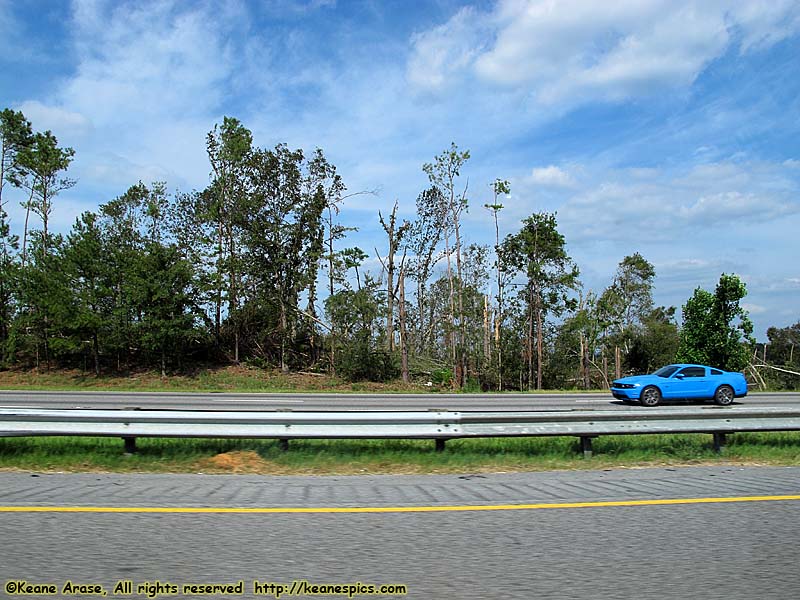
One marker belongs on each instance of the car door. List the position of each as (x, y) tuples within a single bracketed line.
[(690, 382)]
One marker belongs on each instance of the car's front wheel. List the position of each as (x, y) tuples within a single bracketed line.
[(651, 396), (724, 395)]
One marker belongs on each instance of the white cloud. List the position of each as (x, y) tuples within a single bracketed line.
[(734, 206), (119, 173), (665, 205), (786, 284), (613, 50), (766, 22), (441, 53), (147, 86), (685, 274), (282, 8), (60, 121), (575, 50), (551, 176), (147, 59), (754, 309), (689, 264)]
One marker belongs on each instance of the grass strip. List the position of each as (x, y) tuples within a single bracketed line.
[(358, 457), (235, 379)]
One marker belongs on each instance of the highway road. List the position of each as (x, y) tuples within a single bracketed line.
[(664, 533), (224, 401)]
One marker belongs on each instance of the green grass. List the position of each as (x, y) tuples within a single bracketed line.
[(230, 379), (227, 379), (76, 454), (238, 379)]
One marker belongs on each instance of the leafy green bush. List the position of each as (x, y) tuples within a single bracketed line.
[(442, 377)]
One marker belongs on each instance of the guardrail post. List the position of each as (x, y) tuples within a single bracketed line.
[(440, 444), (283, 444), (130, 444), (586, 446), (719, 442)]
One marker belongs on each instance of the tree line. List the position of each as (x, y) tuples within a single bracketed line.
[(256, 269)]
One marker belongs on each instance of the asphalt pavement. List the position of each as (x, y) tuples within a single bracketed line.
[(706, 532), (315, 402)]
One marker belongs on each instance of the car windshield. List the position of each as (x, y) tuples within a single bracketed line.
[(666, 371)]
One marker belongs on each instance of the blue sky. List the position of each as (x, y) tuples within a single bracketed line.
[(665, 127)]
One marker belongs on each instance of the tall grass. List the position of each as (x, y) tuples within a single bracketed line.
[(159, 455)]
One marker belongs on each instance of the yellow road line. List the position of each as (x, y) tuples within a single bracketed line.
[(387, 509)]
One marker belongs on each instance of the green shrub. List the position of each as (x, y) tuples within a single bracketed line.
[(443, 377)]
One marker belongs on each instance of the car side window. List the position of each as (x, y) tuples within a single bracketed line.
[(693, 372), (716, 372)]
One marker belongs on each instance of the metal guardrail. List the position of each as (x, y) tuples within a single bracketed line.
[(438, 425)]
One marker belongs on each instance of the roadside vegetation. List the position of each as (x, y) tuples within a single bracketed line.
[(359, 457), (259, 269), (230, 379)]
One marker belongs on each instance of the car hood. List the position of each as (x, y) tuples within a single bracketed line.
[(635, 379)]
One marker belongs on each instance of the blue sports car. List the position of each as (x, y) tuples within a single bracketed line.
[(691, 382)]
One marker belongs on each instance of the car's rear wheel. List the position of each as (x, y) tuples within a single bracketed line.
[(724, 395), (651, 396)]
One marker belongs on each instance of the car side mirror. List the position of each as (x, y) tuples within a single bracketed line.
[(680, 376)]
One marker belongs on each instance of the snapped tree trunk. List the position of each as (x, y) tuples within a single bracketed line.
[(530, 340), (25, 229), (403, 337), (451, 316), (461, 350), (284, 333), (395, 236), (218, 299), (96, 354), (486, 333), (539, 343), (582, 362), (498, 342)]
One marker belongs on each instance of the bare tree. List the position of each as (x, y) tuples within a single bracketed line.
[(395, 235), (498, 187), (402, 316)]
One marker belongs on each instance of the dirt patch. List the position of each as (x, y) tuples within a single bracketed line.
[(236, 461)]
